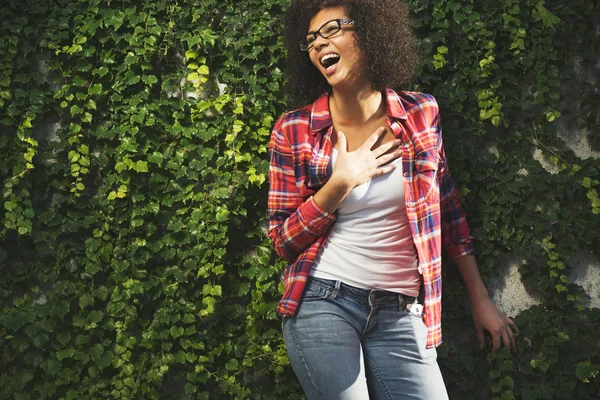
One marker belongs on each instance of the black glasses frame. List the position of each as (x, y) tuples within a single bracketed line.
[(303, 43)]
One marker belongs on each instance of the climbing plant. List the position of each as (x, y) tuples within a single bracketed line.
[(134, 134)]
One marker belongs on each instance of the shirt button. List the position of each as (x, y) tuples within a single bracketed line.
[(405, 174)]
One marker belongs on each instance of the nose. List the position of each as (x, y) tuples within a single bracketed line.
[(320, 42)]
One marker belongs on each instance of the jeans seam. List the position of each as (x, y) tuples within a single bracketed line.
[(378, 378), (297, 343)]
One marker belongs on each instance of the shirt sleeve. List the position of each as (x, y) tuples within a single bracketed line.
[(456, 235), (295, 222)]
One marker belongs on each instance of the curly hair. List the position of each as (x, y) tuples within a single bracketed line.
[(385, 38)]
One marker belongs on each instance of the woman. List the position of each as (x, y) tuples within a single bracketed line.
[(360, 203)]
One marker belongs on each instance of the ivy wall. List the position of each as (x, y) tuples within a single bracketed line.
[(133, 135)]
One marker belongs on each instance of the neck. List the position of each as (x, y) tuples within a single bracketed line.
[(357, 106)]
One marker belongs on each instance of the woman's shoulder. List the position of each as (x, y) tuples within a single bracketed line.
[(297, 121), (422, 106), (298, 113), (418, 100), (297, 118)]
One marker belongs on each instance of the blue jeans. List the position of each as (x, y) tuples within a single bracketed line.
[(357, 344)]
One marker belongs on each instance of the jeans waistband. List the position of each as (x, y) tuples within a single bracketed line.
[(360, 294)]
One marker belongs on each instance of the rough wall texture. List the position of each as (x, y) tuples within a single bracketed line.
[(513, 297), (507, 289)]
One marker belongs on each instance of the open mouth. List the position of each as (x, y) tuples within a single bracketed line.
[(330, 59)]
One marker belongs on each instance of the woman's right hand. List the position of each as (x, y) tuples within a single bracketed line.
[(363, 164)]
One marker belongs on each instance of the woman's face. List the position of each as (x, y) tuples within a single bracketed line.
[(338, 57)]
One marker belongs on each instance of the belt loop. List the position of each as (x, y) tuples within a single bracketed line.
[(336, 290), (401, 302)]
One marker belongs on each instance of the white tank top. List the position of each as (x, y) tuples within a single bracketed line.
[(370, 245)]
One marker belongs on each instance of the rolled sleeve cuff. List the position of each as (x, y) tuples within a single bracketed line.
[(461, 250), (314, 218)]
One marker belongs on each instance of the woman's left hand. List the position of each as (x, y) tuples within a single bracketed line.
[(486, 316)]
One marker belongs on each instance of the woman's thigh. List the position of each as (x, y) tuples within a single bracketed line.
[(398, 364), (324, 347)]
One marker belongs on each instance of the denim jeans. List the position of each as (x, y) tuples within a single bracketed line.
[(357, 344)]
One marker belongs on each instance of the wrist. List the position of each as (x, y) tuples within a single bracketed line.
[(340, 185), (467, 267), (478, 295)]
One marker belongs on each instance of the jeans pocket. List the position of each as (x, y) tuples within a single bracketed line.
[(315, 291), (415, 309)]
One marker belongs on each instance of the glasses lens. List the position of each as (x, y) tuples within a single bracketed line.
[(307, 42), (327, 30), (302, 44), (330, 29)]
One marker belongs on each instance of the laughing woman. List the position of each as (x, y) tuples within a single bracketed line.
[(360, 203)]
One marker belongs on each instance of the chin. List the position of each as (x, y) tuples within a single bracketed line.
[(343, 82)]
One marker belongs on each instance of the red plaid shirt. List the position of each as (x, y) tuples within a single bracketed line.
[(300, 149)]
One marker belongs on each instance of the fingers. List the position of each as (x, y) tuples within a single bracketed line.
[(384, 170), (496, 338), (480, 337), (505, 335), (513, 340), (512, 324), (384, 148), (507, 340), (389, 157), (501, 328)]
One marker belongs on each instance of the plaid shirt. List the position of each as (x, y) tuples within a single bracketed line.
[(300, 149)]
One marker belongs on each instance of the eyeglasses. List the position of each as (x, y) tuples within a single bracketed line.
[(326, 30)]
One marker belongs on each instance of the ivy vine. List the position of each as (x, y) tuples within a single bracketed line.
[(134, 138)]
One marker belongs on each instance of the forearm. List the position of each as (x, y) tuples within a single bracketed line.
[(467, 266), (331, 194), (295, 220), (299, 230), (302, 227)]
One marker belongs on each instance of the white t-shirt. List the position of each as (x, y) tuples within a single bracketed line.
[(371, 245)]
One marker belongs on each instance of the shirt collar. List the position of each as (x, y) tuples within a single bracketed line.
[(395, 109), (320, 117)]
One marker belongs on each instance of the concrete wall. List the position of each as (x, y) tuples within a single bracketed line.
[(507, 290)]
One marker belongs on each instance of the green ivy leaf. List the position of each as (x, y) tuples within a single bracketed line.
[(586, 370), (180, 357), (76, 110), (141, 166), (96, 350), (232, 365), (149, 79), (203, 70), (85, 301), (65, 353), (105, 360), (176, 331), (95, 316), (95, 89), (508, 382), (156, 158), (190, 54), (63, 337)]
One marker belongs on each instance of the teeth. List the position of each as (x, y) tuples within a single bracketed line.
[(328, 56)]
